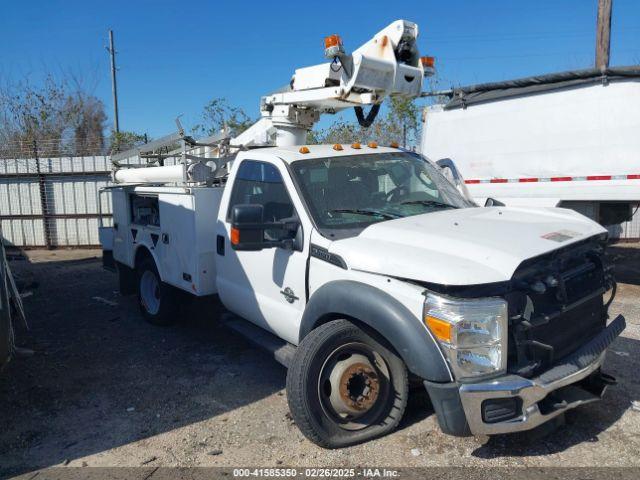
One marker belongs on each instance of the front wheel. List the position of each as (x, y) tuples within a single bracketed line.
[(157, 299), (345, 387)]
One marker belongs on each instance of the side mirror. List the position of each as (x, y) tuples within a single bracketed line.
[(492, 202), (248, 230), (451, 173)]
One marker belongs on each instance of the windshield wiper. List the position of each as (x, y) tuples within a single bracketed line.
[(361, 211), (429, 203)]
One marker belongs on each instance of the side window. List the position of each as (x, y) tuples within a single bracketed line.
[(260, 183)]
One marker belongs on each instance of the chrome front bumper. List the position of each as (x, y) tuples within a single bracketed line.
[(532, 391)]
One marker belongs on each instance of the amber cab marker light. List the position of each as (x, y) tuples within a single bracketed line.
[(394, 145), (337, 146), (356, 145), (372, 144), (235, 236), (440, 329), (303, 150), (428, 62)]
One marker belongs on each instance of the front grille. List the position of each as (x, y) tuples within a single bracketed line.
[(568, 331), (556, 306)]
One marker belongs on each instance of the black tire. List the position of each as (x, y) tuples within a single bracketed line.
[(166, 313), (310, 397)]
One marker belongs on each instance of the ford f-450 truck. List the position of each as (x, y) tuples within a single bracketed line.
[(370, 265)]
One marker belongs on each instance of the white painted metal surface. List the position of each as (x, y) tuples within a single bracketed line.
[(182, 245), (168, 174), (465, 246), (547, 149), (250, 283), (581, 132)]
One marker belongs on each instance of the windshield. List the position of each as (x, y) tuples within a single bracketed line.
[(352, 192)]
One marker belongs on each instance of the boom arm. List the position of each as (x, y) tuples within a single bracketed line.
[(387, 65)]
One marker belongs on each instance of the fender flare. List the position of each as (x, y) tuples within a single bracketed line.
[(384, 314), (142, 249)]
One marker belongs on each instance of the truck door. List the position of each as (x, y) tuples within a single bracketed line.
[(266, 287)]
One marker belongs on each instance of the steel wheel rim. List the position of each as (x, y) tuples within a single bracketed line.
[(150, 292), (353, 386)]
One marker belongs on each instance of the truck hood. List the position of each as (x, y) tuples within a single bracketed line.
[(465, 246)]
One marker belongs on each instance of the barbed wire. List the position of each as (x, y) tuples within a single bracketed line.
[(14, 151), (56, 147)]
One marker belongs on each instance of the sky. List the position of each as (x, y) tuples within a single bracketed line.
[(174, 56)]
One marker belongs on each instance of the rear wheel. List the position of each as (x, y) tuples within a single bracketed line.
[(157, 299), (345, 387)]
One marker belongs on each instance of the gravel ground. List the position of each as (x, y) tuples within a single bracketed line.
[(103, 388)]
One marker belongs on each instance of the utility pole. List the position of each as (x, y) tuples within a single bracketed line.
[(603, 34), (114, 88)]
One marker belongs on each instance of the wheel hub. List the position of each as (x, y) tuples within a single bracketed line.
[(355, 386)]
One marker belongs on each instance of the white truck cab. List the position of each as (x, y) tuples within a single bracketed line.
[(370, 267)]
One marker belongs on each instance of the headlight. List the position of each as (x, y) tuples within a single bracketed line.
[(471, 332)]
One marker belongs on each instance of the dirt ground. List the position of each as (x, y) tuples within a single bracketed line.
[(103, 388)]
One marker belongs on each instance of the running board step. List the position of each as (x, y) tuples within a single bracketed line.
[(281, 350)]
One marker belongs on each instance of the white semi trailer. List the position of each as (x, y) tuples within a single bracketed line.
[(566, 139), (364, 269)]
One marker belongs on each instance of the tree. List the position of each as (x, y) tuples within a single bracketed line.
[(218, 114), (339, 132), (121, 141), (33, 113), (400, 123), (59, 115), (87, 118)]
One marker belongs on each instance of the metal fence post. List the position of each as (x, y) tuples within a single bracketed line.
[(43, 198)]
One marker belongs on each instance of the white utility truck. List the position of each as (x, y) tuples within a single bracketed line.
[(566, 139), (364, 268)]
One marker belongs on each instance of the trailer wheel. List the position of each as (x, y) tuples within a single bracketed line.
[(345, 387), (157, 300)]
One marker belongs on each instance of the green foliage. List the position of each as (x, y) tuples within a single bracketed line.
[(398, 121), (122, 141), (339, 132), (218, 114)]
